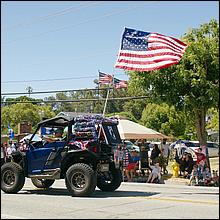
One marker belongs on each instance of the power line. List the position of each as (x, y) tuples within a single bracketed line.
[(53, 91), (52, 15), (51, 79), (70, 26), (43, 80), (79, 100), (78, 58)]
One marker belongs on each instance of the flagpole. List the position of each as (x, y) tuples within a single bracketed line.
[(98, 85), (105, 102)]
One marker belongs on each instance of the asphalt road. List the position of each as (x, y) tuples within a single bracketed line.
[(130, 201)]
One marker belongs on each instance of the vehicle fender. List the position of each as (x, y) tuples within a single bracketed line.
[(77, 156)]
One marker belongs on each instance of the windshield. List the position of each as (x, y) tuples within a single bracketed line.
[(112, 134)]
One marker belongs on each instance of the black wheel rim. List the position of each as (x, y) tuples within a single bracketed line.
[(9, 177), (78, 180)]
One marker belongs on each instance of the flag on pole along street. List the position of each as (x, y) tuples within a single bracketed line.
[(146, 51), (105, 78), (10, 131), (118, 84)]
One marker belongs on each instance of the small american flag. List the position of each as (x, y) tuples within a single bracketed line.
[(145, 51), (118, 84), (105, 78)]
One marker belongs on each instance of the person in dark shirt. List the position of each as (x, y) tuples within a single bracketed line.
[(189, 165), (182, 163), (155, 154)]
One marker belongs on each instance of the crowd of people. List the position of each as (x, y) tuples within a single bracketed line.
[(136, 163), (198, 172), (7, 148), (132, 161)]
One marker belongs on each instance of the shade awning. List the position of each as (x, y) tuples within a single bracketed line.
[(131, 130)]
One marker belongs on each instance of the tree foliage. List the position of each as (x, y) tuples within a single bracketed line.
[(193, 84), (21, 112), (164, 119)]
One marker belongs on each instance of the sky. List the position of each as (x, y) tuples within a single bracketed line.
[(61, 45)]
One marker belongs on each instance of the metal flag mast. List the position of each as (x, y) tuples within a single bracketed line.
[(106, 100)]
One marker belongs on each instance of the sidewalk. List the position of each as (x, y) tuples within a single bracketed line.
[(167, 179), (177, 180)]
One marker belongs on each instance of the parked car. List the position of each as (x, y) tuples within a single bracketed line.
[(183, 146), (213, 148), (131, 146), (191, 146)]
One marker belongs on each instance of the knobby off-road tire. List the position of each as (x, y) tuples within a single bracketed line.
[(80, 180), (42, 183), (111, 181), (12, 177)]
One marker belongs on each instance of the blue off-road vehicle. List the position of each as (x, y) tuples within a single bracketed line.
[(84, 157)]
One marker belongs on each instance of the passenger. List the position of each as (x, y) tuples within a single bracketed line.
[(58, 136)]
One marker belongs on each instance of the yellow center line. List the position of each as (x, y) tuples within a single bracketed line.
[(180, 200)]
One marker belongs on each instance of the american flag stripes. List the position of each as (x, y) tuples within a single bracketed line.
[(145, 51), (105, 78), (109, 79), (118, 84)]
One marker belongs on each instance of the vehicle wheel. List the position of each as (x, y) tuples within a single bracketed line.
[(80, 180), (42, 183), (111, 180), (12, 177)]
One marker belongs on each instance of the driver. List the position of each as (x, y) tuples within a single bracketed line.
[(58, 136)]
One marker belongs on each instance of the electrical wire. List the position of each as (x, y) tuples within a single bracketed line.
[(80, 23), (52, 79), (53, 91), (52, 15), (78, 100)]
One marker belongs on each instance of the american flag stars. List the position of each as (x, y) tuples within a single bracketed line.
[(145, 51)]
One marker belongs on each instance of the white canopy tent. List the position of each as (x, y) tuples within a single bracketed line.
[(131, 130)]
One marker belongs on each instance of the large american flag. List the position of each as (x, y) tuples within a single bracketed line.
[(118, 84), (145, 51), (105, 78)]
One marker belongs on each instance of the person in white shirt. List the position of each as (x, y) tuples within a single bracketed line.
[(13, 148), (166, 153), (8, 151), (165, 146), (155, 173)]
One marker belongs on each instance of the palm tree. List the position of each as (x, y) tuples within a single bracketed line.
[(29, 90)]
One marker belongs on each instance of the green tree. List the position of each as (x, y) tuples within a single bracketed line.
[(20, 112), (29, 90), (213, 119), (164, 119), (193, 84), (10, 101)]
